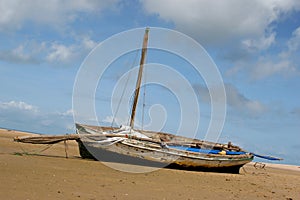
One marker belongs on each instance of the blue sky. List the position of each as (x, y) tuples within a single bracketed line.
[(255, 45)]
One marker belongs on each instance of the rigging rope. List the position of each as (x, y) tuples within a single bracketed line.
[(35, 151), (123, 92)]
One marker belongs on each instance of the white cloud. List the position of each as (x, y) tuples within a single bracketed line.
[(32, 52), (283, 64), (23, 116), (87, 43), (266, 67), (223, 21), (61, 52), (66, 53), (255, 107), (55, 13), (239, 31), (68, 113), (18, 105), (24, 53), (260, 43), (294, 42)]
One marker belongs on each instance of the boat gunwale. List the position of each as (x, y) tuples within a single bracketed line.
[(191, 140), (193, 155)]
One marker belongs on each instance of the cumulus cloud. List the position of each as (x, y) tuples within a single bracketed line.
[(266, 67), (294, 42), (69, 113), (55, 13), (283, 63), (65, 53), (16, 14), (260, 43), (293, 45), (18, 105), (59, 52), (88, 43), (24, 116), (241, 30), (24, 53), (248, 22), (32, 52)]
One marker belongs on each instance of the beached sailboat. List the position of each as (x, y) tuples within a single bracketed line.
[(126, 144)]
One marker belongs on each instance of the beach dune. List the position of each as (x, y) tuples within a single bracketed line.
[(30, 171)]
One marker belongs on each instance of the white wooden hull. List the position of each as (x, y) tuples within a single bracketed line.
[(141, 152)]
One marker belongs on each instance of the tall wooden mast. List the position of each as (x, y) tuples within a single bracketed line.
[(139, 79)]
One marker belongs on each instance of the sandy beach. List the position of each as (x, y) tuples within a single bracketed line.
[(32, 172)]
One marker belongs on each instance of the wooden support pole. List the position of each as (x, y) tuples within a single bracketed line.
[(66, 148)]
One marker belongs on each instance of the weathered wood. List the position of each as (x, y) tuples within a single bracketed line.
[(139, 79), (52, 139), (66, 148), (46, 139)]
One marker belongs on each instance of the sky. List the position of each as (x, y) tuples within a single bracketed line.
[(255, 45)]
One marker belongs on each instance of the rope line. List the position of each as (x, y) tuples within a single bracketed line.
[(123, 92)]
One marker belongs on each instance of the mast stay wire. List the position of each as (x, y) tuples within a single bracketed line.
[(123, 92)]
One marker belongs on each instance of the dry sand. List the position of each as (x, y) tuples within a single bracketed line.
[(49, 175)]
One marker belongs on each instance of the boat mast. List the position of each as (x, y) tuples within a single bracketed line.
[(139, 79)]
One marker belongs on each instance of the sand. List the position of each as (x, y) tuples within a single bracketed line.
[(27, 172)]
